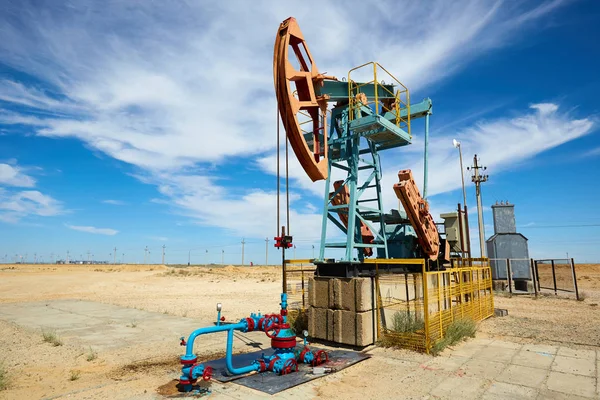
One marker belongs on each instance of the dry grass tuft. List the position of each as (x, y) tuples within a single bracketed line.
[(51, 337)]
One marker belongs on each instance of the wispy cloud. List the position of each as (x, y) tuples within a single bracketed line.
[(16, 205), (92, 229), (169, 87), (114, 202), (500, 143), (592, 153), (12, 175)]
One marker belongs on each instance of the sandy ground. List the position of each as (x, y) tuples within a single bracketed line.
[(39, 370)]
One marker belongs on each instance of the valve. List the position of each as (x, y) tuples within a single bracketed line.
[(183, 342), (288, 366), (207, 374), (272, 327), (318, 360)]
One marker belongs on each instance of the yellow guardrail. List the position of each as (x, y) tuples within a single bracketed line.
[(415, 309), (383, 100)]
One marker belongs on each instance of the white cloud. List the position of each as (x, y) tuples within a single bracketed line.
[(13, 176), (114, 202), (500, 143), (92, 229), (16, 205), (168, 87)]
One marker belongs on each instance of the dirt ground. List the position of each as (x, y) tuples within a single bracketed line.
[(36, 369)]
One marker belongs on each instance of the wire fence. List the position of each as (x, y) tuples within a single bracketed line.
[(556, 275), (297, 274), (415, 310)]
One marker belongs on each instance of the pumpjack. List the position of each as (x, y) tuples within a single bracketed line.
[(340, 127)]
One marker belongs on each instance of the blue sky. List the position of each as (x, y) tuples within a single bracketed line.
[(141, 125)]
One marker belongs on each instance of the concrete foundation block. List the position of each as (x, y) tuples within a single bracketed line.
[(352, 294), (318, 322), (363, 290), (320, 292), (343, 294), (352, 328), (364, 329), (330, 326), (499, 286)]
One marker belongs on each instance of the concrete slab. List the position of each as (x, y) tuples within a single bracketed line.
[(577, 353), (541, 348), (483, 368), (578, 366), (494, 353), (508, 391), (533, 359), (525, 376), (464, 388), (449, 363), (546, 394), (467, 349), (506, 345), (571, 384), (99, 325)]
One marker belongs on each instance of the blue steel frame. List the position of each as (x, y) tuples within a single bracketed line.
[(351, 151)]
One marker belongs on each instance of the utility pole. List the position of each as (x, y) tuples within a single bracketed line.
[(206, 258), (163, 256), (478, 179), (145, 254), (222, 257), (52, 257), (294, 252), (115, 256), (243, 243), (313, 246), (123, 258), (267, 251), (35, 258), (88, 253), (67, 256), (189, 257)]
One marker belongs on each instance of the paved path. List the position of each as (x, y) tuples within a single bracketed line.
[(477, 369)]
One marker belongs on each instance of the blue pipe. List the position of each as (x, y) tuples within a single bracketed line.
[(255, 366), (189, 349)]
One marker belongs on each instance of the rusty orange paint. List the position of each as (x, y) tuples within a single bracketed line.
[(417, 210), (300, 98)]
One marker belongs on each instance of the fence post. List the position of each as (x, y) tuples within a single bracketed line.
[(509, 275), (533, 280), (574, 278), (537, 275), (554, 277), (302, 274)]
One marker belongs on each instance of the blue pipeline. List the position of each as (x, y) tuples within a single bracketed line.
[(189, 350), (229, 362)]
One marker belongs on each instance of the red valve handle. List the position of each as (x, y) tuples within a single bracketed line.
[(288, 366), (272, 327), (207, 374)]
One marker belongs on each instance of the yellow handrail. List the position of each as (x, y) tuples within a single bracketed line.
[(401, 96)]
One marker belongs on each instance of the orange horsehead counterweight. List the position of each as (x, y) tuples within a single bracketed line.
[(417, 210), (301, 100)]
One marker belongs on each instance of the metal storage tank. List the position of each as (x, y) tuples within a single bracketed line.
[(507, 243)]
